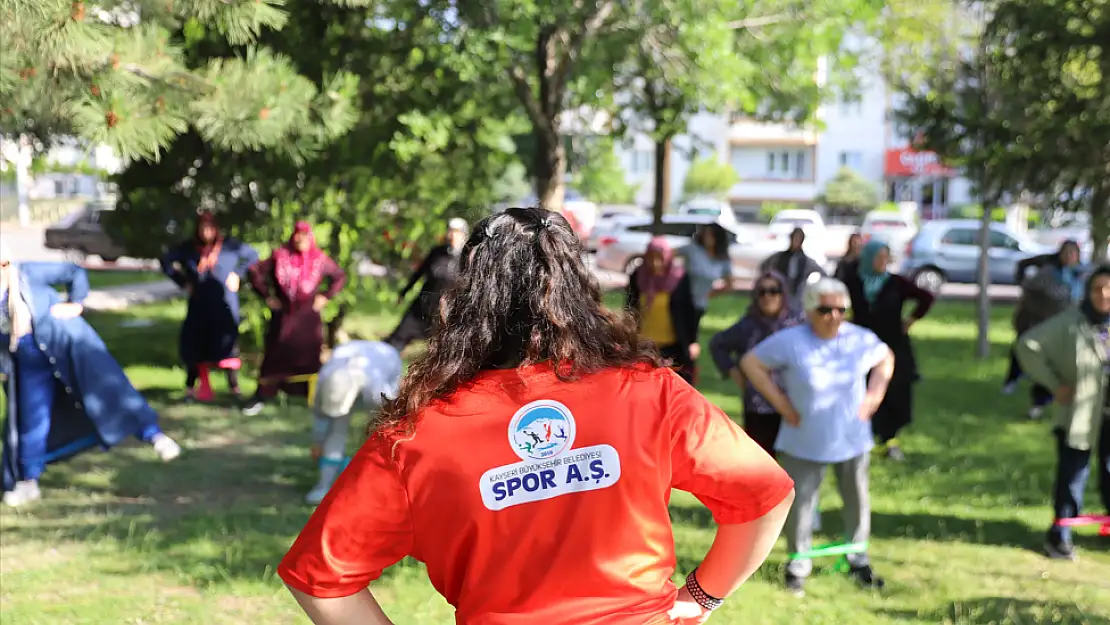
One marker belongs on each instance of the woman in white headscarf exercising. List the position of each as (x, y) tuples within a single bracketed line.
[(357, 374)]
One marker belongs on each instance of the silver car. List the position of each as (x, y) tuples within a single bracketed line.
[(622, 249), (890, 228), (947, 250)]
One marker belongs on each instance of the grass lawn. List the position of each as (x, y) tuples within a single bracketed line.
[(107, 278), (122, 538)]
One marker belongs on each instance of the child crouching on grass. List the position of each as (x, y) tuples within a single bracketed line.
[(369, 371)]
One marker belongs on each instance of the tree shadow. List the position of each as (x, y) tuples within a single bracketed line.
[(1001, 610), (221, 512), (948, 528)]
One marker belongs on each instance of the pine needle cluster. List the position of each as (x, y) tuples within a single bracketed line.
[(113, 73)]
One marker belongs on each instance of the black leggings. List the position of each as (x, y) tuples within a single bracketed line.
[(193, 372), (1040, 396), (763, 428)]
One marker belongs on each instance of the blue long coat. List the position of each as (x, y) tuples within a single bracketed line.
[(211, 327), (94, 404)]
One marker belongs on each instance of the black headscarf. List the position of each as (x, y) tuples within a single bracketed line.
[(1086, 307)]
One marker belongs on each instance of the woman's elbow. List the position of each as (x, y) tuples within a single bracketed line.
[(749, 364)]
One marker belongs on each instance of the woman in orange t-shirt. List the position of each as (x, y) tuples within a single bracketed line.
[(529, 458)]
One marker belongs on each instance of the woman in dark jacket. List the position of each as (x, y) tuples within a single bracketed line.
[(438, 273), (878, 298), (849, 264), (210, 267), (659, 295), (769, 312), (1055, 286)]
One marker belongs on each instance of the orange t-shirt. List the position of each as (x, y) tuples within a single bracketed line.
[(532, 500)]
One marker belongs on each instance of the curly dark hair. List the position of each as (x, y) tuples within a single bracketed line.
[(523, 296)]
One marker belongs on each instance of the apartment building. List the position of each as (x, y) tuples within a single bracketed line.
[(783, 164)]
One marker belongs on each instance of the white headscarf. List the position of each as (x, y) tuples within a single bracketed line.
[(18, 313)]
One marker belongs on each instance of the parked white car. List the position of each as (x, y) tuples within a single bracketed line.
[(622, 249), (893, 229), (1074, 227), (609, 217), (709, 207), (810, 221)]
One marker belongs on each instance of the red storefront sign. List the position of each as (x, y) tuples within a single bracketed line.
[(906, 163)]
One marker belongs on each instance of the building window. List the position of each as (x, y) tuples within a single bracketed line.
[(853, 160), (643, 161), (851, 104), (764, 163)]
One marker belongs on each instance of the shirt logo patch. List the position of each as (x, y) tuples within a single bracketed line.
[(542, 434)]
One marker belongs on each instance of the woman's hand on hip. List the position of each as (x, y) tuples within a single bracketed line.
[(686, 611), (66, 310), (319, 302)]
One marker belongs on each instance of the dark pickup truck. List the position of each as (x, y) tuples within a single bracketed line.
[(81, 234)]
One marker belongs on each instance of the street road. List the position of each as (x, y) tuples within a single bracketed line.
[(27, 244)]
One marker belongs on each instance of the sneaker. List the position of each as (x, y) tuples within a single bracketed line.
[(329, 470), (865, 577), (166, 448), (795, 585), (1036, 412), (1009, 388), (1059, 549), (24, 492), (253, 407)]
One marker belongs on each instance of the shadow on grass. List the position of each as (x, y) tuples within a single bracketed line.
[(218, 514), (1001, 610), (913, 526)]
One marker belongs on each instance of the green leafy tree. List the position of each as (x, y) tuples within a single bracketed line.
[(1025, 110), (601, 177), (849, 193), (544, 50), (420, 151), (709, 176), (113, 73), (1053, 59), (755, 58)]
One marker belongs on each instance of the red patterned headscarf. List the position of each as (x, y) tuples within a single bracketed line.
[(650, 284), (209, 251), (299, 273)]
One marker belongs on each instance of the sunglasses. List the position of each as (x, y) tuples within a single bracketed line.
[(763, 292), (828, 310)]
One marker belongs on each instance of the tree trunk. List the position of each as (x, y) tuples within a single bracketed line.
[(551, 163), (983, 345), (662, 199), (1100, 222)]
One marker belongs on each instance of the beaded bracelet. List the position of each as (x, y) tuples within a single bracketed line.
[(699, 595)]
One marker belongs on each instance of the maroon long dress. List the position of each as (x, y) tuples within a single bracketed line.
[(295, 335)]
